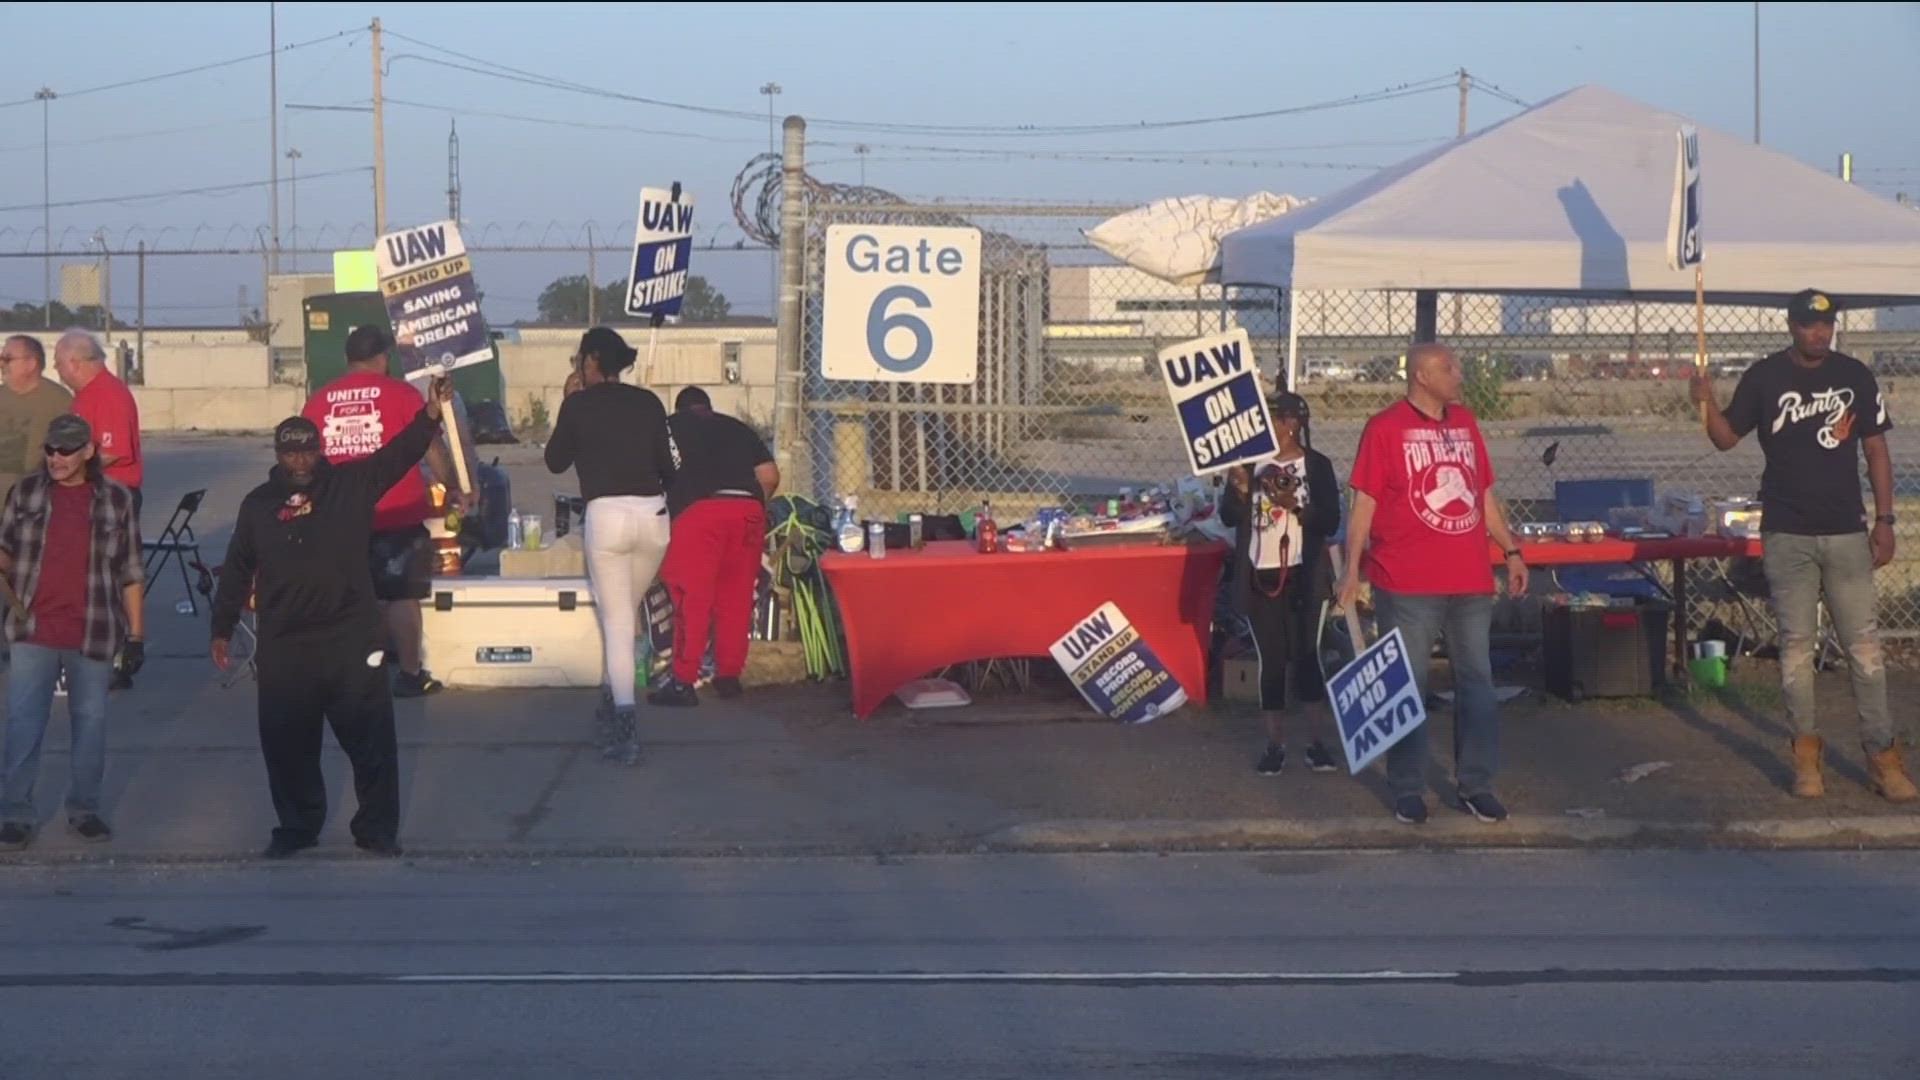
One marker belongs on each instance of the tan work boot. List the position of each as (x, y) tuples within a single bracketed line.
[(1806, 768), (1890, 776)]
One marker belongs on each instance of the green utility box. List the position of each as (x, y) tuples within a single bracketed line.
[(330, 318)]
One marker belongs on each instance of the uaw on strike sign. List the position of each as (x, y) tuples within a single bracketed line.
[(1215, 387), (1376, 700), (427, 281), (1115, 670)]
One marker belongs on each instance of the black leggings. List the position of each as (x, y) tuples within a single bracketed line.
[(1283, 633)]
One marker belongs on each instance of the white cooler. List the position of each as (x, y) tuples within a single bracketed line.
[(512, 632)]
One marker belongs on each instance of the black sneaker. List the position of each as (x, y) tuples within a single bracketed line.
[(386, 849), (1272, 761), (1484, 806), (418, 684), (91, 828), (1411, 809), (286, 847), (1318, 759), (727, 688), (674, 695), (14, 836)]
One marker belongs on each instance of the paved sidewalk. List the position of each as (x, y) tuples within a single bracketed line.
[(789, 771)]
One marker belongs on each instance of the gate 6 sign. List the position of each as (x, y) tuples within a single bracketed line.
[(902, 304)]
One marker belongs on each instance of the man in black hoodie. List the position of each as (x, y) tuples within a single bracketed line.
[(299, 545)]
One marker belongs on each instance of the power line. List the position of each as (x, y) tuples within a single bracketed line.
[(145, 79), (501, 71), (129, 135), (1480, 84), (215, 189), (484, 114)]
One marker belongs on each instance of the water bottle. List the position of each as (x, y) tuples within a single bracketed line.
[(851, 536), (514, 536), (877, 540)]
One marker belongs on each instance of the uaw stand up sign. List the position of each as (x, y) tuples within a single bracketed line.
[(1115, 670), (427, 281)]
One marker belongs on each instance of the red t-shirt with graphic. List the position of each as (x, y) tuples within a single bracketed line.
[(109, 409), (359, 413), (1426, 477)]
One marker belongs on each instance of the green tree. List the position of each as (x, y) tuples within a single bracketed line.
[(564, 302)]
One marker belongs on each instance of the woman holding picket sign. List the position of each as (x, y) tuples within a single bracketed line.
[(1283, 511)]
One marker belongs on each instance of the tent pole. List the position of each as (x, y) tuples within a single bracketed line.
[(1293, 340)]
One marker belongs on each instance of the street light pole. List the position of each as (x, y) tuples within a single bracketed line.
[(771, 90), (293, 197), (273, 127), (45, 96)]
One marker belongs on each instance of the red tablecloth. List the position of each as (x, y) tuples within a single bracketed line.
[(915, 612)]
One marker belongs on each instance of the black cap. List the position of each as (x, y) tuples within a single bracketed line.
[(691, 398), (296, 433), (1288, 403), (1812, 306), (365, 343), (68, 433)]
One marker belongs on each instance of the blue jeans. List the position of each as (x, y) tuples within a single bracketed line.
[(29, 703), (1801, 570), (1466, 622)]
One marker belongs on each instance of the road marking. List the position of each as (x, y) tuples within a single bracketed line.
[(1135, 978)]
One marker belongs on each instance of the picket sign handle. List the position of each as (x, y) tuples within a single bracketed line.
[(450, 420), (1354, 632)]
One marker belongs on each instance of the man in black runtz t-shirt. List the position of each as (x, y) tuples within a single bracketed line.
[(1815, 411)]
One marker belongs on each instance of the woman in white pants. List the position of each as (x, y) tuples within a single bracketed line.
[(615, 438)]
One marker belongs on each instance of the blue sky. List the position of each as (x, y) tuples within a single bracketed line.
[(1836, 77)]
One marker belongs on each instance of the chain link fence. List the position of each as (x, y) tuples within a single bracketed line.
[(1068, 403)]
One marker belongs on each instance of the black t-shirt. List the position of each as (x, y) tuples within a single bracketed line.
[(1811, 421), (717, 457), (615, 436)]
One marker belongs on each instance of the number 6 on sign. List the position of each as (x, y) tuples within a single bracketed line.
[(880, 325), (902, 304)]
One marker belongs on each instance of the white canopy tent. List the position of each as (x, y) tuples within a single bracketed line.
[(1572, 197)]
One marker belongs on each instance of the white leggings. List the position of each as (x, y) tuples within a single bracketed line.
[(626, 539)]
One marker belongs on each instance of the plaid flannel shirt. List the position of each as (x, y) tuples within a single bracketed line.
[(113, 563)]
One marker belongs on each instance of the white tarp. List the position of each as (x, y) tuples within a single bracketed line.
[(1572, 196), (1178, 240)]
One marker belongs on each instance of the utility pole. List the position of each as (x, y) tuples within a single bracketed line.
[(273, 127), (1466, 84), (1756, 72), (861, 150), (379, 142), (293, 193), (45, 95)]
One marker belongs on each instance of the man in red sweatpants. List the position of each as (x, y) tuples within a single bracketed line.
[(724, 475)]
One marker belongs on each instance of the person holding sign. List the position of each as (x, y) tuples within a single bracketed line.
[(299, 547), (1423, 503), (1816, 411), (1282, 511), (615, 436)]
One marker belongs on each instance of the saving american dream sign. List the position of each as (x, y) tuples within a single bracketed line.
[(1375, 700), (427, 282), (1215, 387), (662, 248), (1115, 670)]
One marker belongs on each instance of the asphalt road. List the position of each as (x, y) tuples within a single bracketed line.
[(1323, 965)]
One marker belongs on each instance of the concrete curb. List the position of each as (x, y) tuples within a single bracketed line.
[(1446, 829), (1450, 828)]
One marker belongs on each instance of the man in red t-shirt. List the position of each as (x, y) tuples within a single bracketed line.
[(1423, 508), (357, 414), (105, 403)]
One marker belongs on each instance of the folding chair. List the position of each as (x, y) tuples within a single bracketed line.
[(246, 636), (176, 542)]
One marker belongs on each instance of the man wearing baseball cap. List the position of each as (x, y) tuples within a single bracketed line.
[(70, 549), (300, 546), (1816, 410)]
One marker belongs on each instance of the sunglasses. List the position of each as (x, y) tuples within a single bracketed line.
[(62, 451)]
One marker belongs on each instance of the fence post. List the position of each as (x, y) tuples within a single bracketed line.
[(788, 410), (1426, 315)]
